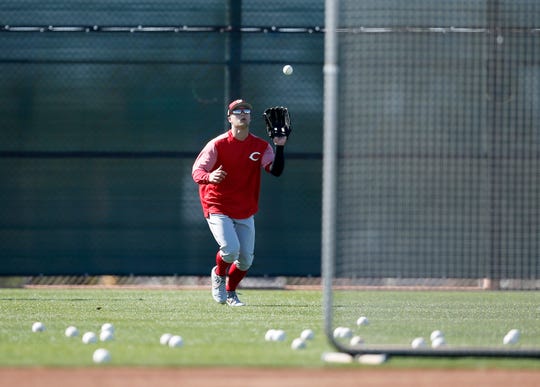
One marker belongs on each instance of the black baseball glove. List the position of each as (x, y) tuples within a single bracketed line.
[(278, 121)]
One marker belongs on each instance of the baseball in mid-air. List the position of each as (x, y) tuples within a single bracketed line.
[(288, 69)]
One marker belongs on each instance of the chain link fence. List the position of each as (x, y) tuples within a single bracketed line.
[(105, 105)]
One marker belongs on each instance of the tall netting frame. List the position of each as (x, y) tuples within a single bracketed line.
[(431, 154)]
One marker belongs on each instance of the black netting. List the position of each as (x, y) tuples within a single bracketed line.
[(439, 140)]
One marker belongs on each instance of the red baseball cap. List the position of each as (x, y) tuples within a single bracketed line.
[(239, 103)]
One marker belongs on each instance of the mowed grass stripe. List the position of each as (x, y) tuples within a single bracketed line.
[(218, 335)]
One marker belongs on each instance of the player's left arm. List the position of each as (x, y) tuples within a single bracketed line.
[(274, 162), (278, 127), (278, 165)]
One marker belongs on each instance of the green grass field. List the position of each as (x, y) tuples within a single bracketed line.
[(217, 335)]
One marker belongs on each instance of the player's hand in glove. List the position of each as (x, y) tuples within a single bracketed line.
[(278, 123), (278, 127)]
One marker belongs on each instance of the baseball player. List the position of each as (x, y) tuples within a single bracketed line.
[(228, 172)]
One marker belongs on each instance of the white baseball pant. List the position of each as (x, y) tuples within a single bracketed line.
[(235, 237)]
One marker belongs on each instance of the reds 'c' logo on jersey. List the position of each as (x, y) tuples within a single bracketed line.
[(255, 156)]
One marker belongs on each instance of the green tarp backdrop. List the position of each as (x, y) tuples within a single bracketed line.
[(101, 121), (104, 106)]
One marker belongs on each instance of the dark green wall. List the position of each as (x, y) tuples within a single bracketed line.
[(100, 129), (438, 132)]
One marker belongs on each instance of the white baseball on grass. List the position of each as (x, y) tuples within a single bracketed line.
[(357, 340), (343, 333), (362, 320), (288, 69), (435, 334), (176, 341), (38, 327), (269, 335), (512, 337), (279, 335), (106, 335), (438, 342), (101, 355), (164, 339), (71, 331), (107, 327), (275, 335), (346, 333), (298, 343), (419, 342), (307, 334), (89, 338)]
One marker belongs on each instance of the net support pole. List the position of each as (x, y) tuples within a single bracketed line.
[(233, 76), (330, 138), (495, 83)]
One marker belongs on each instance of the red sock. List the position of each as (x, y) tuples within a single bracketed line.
[(235, 276), (222, 266)]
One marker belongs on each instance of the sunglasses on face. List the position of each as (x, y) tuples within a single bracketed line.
[(239, 111)]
